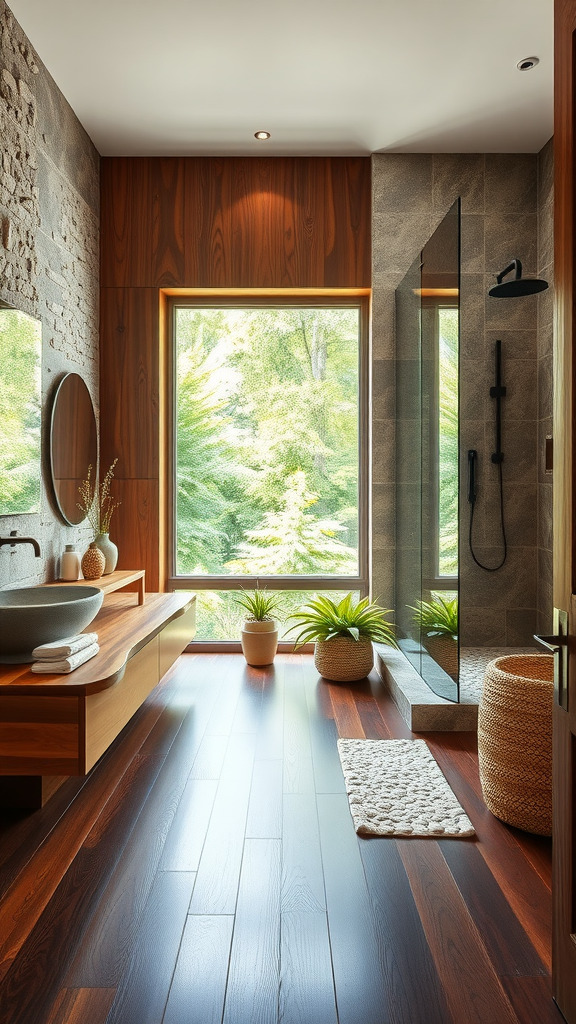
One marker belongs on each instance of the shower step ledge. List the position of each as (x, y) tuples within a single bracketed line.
[(421, 709)]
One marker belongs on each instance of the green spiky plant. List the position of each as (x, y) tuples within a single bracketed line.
[(438, 617), (259, 605), (322, 619)]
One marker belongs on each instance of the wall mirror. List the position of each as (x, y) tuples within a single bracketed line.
[(73, 444), (20, 411)]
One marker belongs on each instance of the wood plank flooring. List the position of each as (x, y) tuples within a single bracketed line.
[(207, 872)]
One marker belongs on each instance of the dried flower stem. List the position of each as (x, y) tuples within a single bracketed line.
[(96, 503)]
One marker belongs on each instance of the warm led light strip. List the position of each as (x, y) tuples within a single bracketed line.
[(441, 293)]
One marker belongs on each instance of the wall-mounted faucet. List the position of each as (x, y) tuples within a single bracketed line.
[(14, 539)]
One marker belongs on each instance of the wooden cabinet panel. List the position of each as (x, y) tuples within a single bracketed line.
[(108, 712), (175, 637), (39, 735)]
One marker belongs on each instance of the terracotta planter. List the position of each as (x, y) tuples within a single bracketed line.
[(344, 659), (259, 641)]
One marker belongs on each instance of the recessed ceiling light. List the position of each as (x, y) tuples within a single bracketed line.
[(527, 63), (261, 135)]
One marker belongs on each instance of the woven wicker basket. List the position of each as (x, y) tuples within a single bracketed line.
[(515, 740), (343, 659), (444, 651)]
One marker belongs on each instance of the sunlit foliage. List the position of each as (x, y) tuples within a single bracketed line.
[(20, 412), (267, 440)]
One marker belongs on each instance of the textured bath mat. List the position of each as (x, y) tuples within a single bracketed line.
[(396, 788)]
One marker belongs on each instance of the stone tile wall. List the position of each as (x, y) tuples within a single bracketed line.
[(49, 259), (545, 378), (499, 192)]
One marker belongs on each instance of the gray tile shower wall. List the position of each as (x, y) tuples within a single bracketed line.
[(506, 213), (544, 351), (49, 258)]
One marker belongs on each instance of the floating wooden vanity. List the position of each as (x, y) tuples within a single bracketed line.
[(54, 726)]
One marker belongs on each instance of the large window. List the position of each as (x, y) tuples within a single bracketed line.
[(268, 482), (219, 616)]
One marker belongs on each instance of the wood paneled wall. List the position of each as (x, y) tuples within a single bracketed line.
[(564, 297), (564, 520), (183, 222)]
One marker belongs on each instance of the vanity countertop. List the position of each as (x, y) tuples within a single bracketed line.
[(123, 629)]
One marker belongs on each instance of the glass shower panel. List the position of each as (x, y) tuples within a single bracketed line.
[(409, 462), (427, 439)]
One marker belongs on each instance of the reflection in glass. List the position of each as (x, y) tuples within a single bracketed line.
[(20, 411), (447, 441), (73, 444)]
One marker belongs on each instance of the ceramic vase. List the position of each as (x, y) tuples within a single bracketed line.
[(259, 641), (93, 563), (109, 550)]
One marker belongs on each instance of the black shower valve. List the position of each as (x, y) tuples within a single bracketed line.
[(472, 457), (498, 392)]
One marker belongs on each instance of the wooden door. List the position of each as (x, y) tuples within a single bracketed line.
[(564, 876)]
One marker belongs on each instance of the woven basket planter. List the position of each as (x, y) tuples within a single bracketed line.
[(515, 741), (343, 659), (444, 651)]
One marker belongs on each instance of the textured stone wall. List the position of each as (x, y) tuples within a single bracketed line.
[(49, 259), (545, 378), (411, 194)]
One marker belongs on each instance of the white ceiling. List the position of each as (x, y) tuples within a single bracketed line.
[(323, 76)]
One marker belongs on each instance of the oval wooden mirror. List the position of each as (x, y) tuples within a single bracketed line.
[(73, 444)]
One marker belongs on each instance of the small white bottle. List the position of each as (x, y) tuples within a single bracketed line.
[(70, 564)]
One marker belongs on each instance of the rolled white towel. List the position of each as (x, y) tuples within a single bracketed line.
[(66, 665), (64, 648)]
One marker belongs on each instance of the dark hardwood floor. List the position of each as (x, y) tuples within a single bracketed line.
[(207, 871)]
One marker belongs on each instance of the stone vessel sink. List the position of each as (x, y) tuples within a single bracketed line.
[(38, 615)]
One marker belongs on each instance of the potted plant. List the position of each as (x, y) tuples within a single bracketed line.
[(344, 634), (437, 620), (259, 629)]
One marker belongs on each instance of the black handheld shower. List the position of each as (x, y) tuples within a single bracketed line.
[(498, 392), (501, 290), (472, 456)]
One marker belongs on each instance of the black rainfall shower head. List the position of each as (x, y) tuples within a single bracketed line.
[(518, 286)]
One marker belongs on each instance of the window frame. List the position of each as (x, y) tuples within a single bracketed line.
[(271, 298), (431, 579)]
